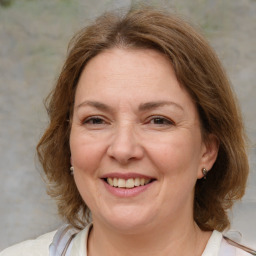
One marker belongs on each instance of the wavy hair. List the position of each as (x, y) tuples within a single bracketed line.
[(197, 69)]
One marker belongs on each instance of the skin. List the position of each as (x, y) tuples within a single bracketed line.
[(132, 116)]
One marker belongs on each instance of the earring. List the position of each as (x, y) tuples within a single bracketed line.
[(204, 171), (72, 170)]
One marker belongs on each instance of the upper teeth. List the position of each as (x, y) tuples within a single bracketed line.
[(130, 183)]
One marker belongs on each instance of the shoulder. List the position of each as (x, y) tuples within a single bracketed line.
[(240, 250), (219, 246), (228, 249), (36, 247)]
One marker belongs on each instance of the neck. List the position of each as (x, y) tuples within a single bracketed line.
[(162, 240)]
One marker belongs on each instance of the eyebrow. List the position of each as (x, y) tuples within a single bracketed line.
[(156, 104), (142, 107), (95, 104)]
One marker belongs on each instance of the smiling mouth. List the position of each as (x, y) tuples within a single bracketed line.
[(127, 183)]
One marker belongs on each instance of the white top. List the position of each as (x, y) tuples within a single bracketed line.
[(216, 246), (37, 247)]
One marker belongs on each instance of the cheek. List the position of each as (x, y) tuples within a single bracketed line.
[(176, 154), (86, 155), (85, 152)]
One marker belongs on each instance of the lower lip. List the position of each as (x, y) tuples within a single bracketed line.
[(127, 192)]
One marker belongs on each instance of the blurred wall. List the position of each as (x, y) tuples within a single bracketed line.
[(33, 39)]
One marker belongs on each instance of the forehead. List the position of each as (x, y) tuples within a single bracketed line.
[(135, 75), (125, 62)]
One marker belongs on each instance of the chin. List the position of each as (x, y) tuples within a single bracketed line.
[(127, 219)]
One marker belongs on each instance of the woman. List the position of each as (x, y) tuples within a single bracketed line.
[(144, 118)]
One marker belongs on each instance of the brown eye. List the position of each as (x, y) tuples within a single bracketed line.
[(161, 121), (94, 121)]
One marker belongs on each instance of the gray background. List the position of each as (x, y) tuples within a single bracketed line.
[(33, 41)]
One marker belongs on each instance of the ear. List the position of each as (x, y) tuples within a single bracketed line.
[(209, 154), (71, 161)]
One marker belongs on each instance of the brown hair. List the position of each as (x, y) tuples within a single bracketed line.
[(197, 69)]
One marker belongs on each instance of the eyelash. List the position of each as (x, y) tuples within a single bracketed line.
[(165, 121), (97, 120), (92, 119)]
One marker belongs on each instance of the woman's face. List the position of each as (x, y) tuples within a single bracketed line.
[(136, 144)]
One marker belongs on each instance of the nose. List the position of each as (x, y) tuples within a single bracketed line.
[(125, 146)]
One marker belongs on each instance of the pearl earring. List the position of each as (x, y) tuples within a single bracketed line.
[(72, 170), (204, 171)]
